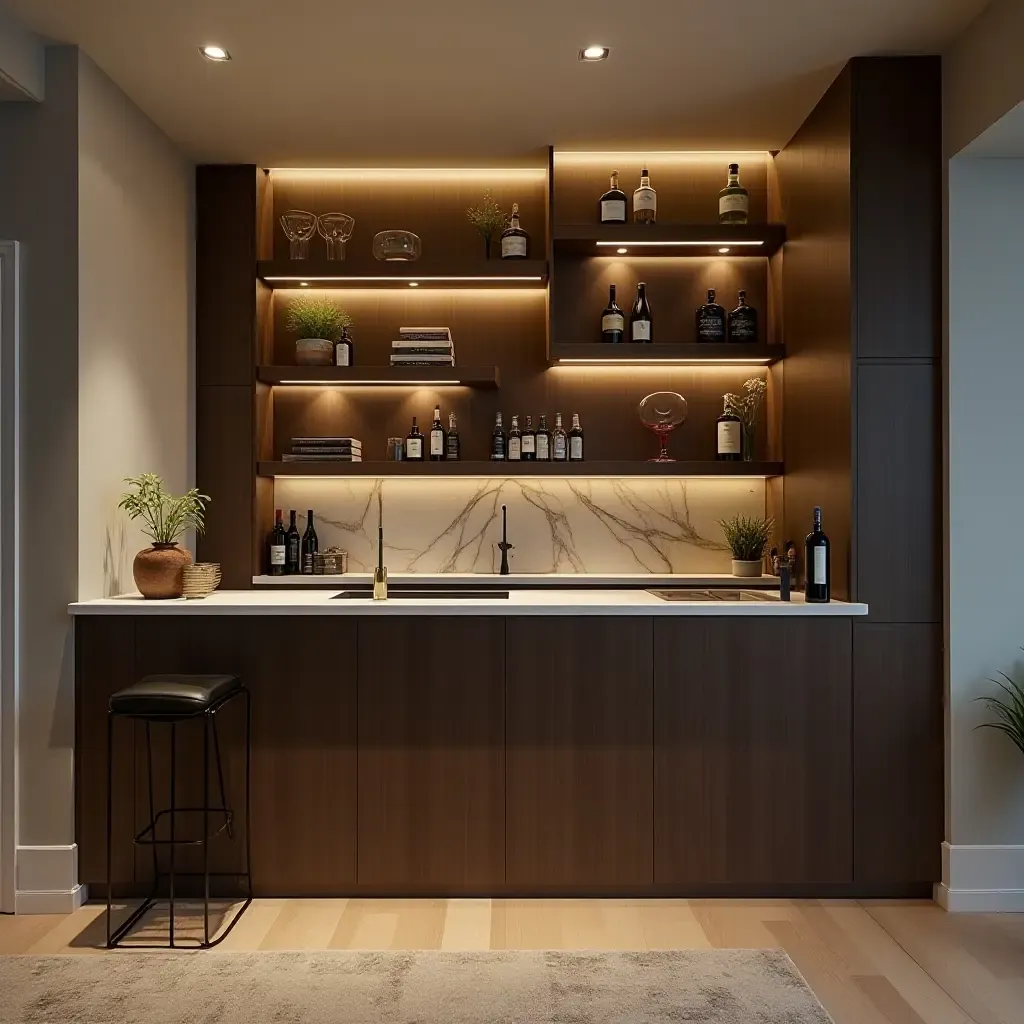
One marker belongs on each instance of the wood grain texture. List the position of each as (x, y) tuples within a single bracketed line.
[(432, 754), (752, 760), (578, 759)]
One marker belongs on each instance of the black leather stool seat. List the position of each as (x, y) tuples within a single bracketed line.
[(169, 696)]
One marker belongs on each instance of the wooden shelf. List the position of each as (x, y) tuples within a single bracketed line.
[(426, 273), (485, 377), (522, 469), (562, 353), (680, 240)]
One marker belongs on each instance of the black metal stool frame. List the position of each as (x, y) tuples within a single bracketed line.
[(209, 716)]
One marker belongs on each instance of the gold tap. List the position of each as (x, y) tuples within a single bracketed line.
[(380, 574)]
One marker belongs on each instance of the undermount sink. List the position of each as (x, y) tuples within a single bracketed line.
[(714, 595), (434, 594)]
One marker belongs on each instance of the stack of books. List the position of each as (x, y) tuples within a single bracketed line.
[(325, 449), (423, 346)]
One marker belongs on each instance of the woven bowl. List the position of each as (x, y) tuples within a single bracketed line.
[(200, 579)]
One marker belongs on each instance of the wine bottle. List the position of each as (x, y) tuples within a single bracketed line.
[(292, 562), (710, 320), (645, 201), (515, 441), (498, 446), (733, 201), (559, 441), (543, 440), (414, 444), (529, 441), (278, 546), (742, 325), (730, 436), (613, 323), (576, 439), (612, 208), (310, 546), (641, 326), (452, 447), (344, 352), (436, 437), (515, 242), (817, 564)]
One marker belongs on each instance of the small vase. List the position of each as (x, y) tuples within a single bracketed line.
[(487, 247), (746, 569), (157, 570), (749, 441)]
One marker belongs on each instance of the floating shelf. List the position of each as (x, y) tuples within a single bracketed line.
[(485, 377), (568, 353), (497, 273), (522, 469), (669, 239)]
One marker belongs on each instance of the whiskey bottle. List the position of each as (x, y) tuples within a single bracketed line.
[(559, 441), (452, 447), (817, 564), (612, 209), (515, 441), (645, 201), (414, 444), (529, 441), (641, 326), (310, 546), (733, 201), (515, 242), (292, 562), (543, 440), (613, 323), (576, 439), (710, 320), (743, 321), (436, 437), (278, 546), (730, 436), (498, 447)]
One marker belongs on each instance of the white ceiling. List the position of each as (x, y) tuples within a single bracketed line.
[(449, 81)]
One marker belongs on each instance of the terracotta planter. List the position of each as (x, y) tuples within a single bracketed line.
[(741, 567), (157, 570)]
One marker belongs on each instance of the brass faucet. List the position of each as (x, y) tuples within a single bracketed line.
[(380, 574)]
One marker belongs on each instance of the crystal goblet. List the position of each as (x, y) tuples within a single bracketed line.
[(299, 227), (337, 229), (662, 412)]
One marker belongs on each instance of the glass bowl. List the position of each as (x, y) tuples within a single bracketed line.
[(396, 245)]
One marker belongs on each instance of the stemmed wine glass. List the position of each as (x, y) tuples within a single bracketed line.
[(662, 412), (299, 227), (337, 229)]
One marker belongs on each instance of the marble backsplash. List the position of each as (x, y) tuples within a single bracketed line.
[(557, 525)]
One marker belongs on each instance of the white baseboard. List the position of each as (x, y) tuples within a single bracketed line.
[(46, 880), (981, 878), (63, 901)]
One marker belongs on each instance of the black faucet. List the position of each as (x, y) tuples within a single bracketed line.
[(504, 546)]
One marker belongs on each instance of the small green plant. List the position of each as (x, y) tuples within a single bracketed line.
[(164, 517), (747, 536), (1009, 711), (488, 218), (312, 316)]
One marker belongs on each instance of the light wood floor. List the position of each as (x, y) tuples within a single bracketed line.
[(868, 963)]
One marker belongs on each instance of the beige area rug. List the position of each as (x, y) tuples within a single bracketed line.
[(724, 986)]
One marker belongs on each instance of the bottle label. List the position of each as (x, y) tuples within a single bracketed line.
[(741, 328), (710, 327), (729, 438), (437, 442), (277, 554), (612, 322), (543, 448), (414, 447), (515, 449), (498, 447), (641, 330), (820, 558), (560, 448), (529, 444), (733, 203), (576, 449), (307, 564), (613, 210), (513, 245), (453, 446), (341, 355), (645, 199)]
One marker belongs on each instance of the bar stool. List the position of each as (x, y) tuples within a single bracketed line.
[(172, 699)]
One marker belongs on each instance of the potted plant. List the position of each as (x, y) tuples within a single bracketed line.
[(489, 219), (157, 569), (747, 537), (319, 324), (1009, 711)]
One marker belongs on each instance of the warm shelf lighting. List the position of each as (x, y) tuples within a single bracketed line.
[(374, 383), (689, 242), (215, 53), (588, 54), (724, 249), (282, 279), (414, 284), (523, 474), (411, 174), (303, 284), (622, 252), (641, 157), (679, 361)]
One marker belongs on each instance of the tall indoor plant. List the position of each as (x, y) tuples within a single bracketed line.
[(157, 569)]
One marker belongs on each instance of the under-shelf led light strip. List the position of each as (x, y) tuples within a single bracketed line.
[(679, 361), (374, 383), (651, 242), (423, 277)]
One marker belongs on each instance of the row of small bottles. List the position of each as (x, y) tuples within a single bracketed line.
[(712, 322), (733, 201), (290, 554)]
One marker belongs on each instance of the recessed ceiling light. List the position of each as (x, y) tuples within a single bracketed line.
[(414, 284), (214, 53), (303, 284), (621, 251), (590, 53), (724, 249)]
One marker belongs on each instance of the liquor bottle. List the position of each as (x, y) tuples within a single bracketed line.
[(436, 437), (576, 439), (344, 352), (515, 242), (710, 320), (529, 441), (613, 323), (278, 546), (543, 440), (559, 441), (733, 201), (515, 441), (310, 545), (743, 321), (641, 326), (414, 444), (730, 436), (817, 564), (613, 203), (292, 563), (498, 446), (452, 449), (645, 201)]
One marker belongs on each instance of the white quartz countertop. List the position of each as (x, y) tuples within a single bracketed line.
[(533, 579), (519, 602)]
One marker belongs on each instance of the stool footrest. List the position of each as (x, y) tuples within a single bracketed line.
[(140, 840)]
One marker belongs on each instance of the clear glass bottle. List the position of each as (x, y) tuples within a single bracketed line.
[(612, 205), (515, 242), (645, 201), (559, 441), (733, 200)]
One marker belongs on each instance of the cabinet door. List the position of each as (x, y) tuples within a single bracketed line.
[(752, 760)]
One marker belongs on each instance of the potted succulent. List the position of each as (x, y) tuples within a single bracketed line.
[(747, 537), (319, 324), (489, 219), (1009, 711), (157, 569)]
